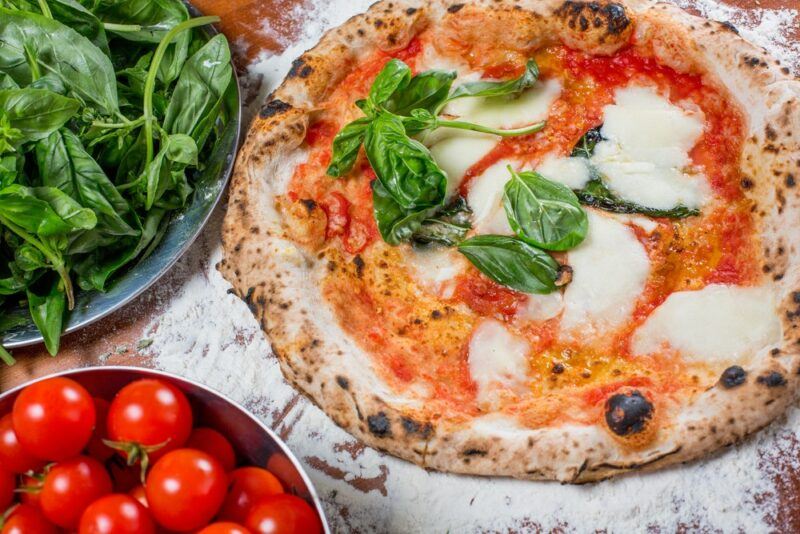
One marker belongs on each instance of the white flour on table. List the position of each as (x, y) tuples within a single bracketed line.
[(208, 335)]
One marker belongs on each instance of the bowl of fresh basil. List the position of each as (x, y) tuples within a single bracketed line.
[(119, 126)]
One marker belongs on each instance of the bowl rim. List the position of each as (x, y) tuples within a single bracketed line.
[(177, 378), (223, 180)]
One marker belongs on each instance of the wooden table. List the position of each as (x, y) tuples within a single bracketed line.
[(114, 339)]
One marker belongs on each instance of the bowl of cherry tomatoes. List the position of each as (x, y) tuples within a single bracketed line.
[(124, 450)]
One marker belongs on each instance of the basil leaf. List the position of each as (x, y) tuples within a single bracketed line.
[(20, 206), (427, 90), (404, 166), (585, 146), (448, 226), (50, 82), (544, 213), (346, 145), (36, 112), (508, 87), (155, 17), (597, 195), (83, 68), (78, 217), (511, 262), (200, 88), (47, 312), (395, 224), (80, 19), (394, 76), (7, 82), (29, 258), (177, 152)]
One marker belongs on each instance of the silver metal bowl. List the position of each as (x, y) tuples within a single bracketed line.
[(183, 229), (254, 442)]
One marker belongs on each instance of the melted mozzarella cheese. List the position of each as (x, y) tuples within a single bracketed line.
[(610, 269), (572, 172), (435, 268), (508, 111), (717, 323), (541, 307), (497, 360), (646, 148), (485, 198), (457, 151)]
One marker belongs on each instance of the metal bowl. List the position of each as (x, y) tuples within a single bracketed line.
[(183, 229), (254, 442)]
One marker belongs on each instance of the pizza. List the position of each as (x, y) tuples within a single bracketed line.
[(541, 239)]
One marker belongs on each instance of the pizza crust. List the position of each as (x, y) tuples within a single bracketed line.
[(278, 279)]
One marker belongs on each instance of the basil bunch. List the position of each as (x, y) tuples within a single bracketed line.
[(409, 193), (107, 107), (597, 194)]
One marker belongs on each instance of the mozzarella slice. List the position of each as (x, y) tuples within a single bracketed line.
[(646, 148), (508, 111), (715, 324), (610, 269), (497, 360), (435, 268), (575, 173), (457, 151), (485, 198), (541, 307)]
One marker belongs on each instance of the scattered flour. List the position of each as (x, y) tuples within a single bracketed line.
[(207, 334)]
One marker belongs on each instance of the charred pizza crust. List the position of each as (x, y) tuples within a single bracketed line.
[(269, 264)]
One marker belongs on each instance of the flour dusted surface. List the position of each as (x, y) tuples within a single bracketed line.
[(206, 334)]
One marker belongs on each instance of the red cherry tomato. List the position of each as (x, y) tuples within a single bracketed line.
[(248, 485), (150, 413), (54, 418), (116, 514), (31, 490), (8, 483), (96, 448), (27, 519), (224, 528), (13, 456), (185, 489), (212, 442), (138, 494), (283, 514), (70, 486)]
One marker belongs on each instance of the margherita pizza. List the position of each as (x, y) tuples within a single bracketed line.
[(542, 239)]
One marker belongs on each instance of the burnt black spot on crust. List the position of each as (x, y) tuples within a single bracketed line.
[(379, 425), (790, 180), (309, 204), (358, 261), (729, 26), (558, 368), (455, 8), (733, 376), (248, 299), (343, 382), (612, 15), (300, 69), (628, 413), (411, 10), (751, 61), (274, 107), (411, 426), (770, 132), (436, 314), (746, 183), (772, 379), (474, 452)]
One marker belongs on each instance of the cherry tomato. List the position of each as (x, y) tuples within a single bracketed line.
[(27, 519), (185, 489), (96, 448), (31, 489), (337, 208), (138, 494), (212, 442), (54, 418), (283, 514), (224, 528), (116, 514), (150, 413), (70, 486), (13, 456), (8, 483), (248, 485)]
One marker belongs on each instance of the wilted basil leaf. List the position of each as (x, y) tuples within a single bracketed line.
[(508, 87), (597, 195), (346, 145)]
